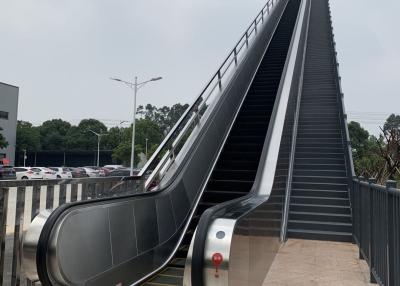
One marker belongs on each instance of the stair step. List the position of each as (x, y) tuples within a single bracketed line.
[(320, 193), (320, 235), (319, 186), (320, 226), (313, 200), (320, 179), (323, 217), (320, 208), (316, 172)]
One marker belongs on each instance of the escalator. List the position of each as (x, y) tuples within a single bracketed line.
[(235, 171), (145, 238)]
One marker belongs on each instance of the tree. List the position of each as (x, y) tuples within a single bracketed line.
[(53, 134), (165, 117), (145, 128), (359, 138), (367, 160), (80, 138), (389, 147), (3, 142), (28, 137), (113, 138), (392, 122)]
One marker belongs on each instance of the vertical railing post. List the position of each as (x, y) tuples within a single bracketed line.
[(18, 230), (49, 197), (35, 200), (371, 219), (235, 55), (4, 192), (391, 228), (62, 198), (74, 192), (361, 211), (219, 79), (247, 39)]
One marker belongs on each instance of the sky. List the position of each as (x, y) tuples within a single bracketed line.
[(62, 53)]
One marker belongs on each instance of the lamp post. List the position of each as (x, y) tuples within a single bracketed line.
[(135, 86), (147, 139), (24, 157), (98, 144)]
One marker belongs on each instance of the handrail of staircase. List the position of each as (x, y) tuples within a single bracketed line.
[(342, 110), (166, 152)]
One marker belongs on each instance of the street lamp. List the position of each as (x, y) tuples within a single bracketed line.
[(135, 86), (147, 139), (98, 144), (25, 156)]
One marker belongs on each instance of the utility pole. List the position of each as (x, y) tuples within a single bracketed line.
[(135, 86)]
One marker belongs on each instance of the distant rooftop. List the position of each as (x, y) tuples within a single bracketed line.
[(3, 83)]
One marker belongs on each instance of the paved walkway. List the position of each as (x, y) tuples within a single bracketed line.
[(317, 263)]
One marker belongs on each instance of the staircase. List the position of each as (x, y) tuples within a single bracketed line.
[(319, 205)]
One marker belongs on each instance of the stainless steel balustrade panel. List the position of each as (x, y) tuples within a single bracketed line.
[(21, 201)]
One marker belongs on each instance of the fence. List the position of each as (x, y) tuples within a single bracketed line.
[(376, 228), (21, 201)]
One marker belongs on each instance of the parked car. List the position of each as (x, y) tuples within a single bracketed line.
[(62, 172), (27, 173), (77, 172), (102, 171), (91, 172), (7, 173), (113, 167), (122, 172), (47, 173)]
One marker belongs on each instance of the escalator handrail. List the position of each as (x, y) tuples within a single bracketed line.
[(246, 203), (194, 111)]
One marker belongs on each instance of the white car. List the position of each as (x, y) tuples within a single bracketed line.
[(91, 172), (113, 167), (47, 173), (27, 173), (62, 172)]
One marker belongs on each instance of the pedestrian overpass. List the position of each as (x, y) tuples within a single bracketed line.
[(262, 156)]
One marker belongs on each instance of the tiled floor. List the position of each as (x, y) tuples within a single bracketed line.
[(317, 263)]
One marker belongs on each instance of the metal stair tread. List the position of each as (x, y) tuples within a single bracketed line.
[(320, 222)]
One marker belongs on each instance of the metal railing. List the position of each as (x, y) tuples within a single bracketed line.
[(376, 228), (21, 201), (342, 111), (166, 153)]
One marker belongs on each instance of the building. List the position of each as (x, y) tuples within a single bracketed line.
[(8, 120)]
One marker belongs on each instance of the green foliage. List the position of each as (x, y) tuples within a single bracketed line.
[(80, 138), (28, 137), (359, 138), (3, 142), (53, 134), (153, 124), (367, 160), (392, 122), (145, 128), (165, 117)]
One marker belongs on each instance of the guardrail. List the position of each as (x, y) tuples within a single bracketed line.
[(376, 228), (21, 201)]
